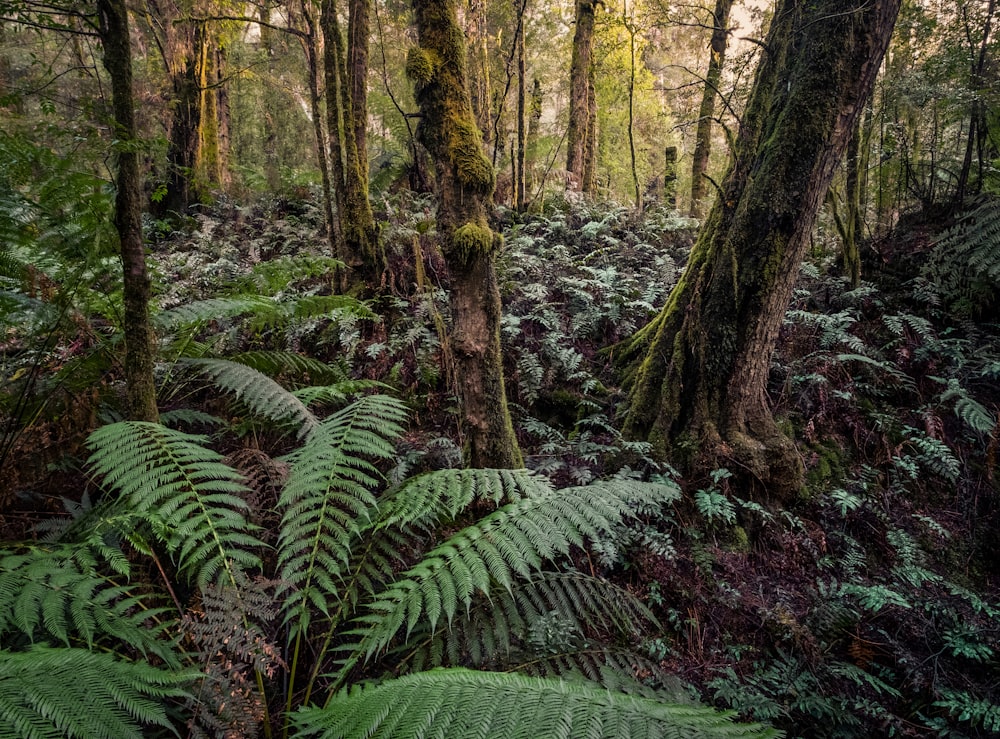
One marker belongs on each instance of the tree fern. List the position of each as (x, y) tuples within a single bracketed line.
[(514, 541), (47, 692), (259, 393), (331, 484), (487, 705), (187, 495), (52, 594)]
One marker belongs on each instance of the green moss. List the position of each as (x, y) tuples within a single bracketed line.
[(473, 240), (465, 146), (421, 66)]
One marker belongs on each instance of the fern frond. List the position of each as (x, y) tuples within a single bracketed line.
[(490, 705), (328, 497), (274, 363), (46, 692), (51, 594), (513, 542), (184, 491), (258, 392), (212, 309)]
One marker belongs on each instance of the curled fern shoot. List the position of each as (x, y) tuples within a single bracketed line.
[(490, 705), (185, 493)]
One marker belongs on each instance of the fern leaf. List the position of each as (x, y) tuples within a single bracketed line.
[(213, 309), (258, 392), (328, 497), (46, 594), (47, 692), (512, 542), (185, 491), (489, 705)]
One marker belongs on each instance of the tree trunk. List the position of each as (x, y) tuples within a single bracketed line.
[(706, 113), (465, 182), (701, 387), (360, 248), (580, 91), (977, 120), (139, 386), (359, 30), (479, 67), (520, 198)]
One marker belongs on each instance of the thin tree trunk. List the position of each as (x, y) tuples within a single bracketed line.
[(479, 67), (139, 385), (705, 359), (976, 130), (360, 250), (520, 178), (359, 32), (465, 183), (706, 113), (580, 86), (630, 29)]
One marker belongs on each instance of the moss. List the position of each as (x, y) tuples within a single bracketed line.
[(473, 240), (465, 147), (737, 540), (421, 66)]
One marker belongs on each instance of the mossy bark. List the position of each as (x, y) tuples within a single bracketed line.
[(139, 385), (360, 249), (578, 135), (465, 182), (706, 113), (700, 388)]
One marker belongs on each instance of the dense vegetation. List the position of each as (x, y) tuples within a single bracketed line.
[(298, 547)]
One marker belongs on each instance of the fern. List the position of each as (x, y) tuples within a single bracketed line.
[(968, 709), (53, 594), (514, 541), (328, 497), (258, 392), (466, 703), (189, 497), (47, 692)]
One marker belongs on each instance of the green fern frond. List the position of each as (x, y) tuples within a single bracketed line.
[(190, 417), (273, 275), (259, 393), (274, 363), (969, 709), (329, 496), (51, 594), (515, 541), (428, 498), (489, 705), (47, 692), (184, 491), (212, 309), (933, 454)]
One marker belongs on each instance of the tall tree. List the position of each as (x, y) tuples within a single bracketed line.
[(705, 359), (465, 183), (581, 135), (706, 113), (116, 39), (360, 249)]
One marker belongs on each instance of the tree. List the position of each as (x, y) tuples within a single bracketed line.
[(581, 136), (140, 388), (465, 183), (706, 113), (701, 383), (360, 247)]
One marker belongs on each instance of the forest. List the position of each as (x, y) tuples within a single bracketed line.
[(499, 368)]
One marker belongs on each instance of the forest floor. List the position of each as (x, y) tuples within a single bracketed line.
[(870, 606)]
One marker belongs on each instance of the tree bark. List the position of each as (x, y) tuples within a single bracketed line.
[(700, 390), (580, 90), (520, 198), (358, 33), (140, 388), (465, 183), (706, 113), (360, 249)]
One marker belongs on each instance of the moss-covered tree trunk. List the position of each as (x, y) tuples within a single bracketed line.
[(140, 388), (465, 182), (705, 359), (578, 135), (360, 249), (706, 113)]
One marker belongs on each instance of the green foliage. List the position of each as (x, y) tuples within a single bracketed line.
[(51, 692), (460, 702), (183, 491), (963, 268)]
